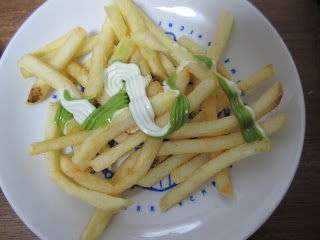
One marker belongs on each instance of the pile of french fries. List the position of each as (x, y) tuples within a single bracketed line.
[(203, 148)]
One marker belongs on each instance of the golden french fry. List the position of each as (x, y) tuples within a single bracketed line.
[(109, 157), (209, 108), (87, 46), (37, 91), (123, 51), (141, 165), (131, 15), (215, 165), (86, 64), (256, 78), (182, 172), (191, 46), (182, 80), (122, 137), (154, 63), (148, 40), (77, 72), (153, 89), (221, 68), (96, 225), (167, 65), (54, 78), (99, 56), (209, 112), (72, 127), (116, 20), (213, 144), (222, 180), (58, 143), (221, 36), (157, 173), (137, 58), (85, 179), (125, 167)]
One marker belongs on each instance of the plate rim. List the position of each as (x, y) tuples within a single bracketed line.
[(34, 229)]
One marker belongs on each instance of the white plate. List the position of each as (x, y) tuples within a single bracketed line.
[(259, 183)]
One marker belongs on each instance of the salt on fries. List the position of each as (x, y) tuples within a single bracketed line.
[(203, 148)]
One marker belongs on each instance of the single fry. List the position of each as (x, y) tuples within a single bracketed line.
[(77, 72), (167, 65), (213, 144), (37, 91), (125, 168), (154, 88), (157, 173), (87, 46), (109, 157), (58, 143), (154, 63), (222, 180), (221, 36), (131, 15), (83, 178), (118, 25), (100, 53), (182, 172), (182, 80), (123, 51), (137, 58), (96, 225), (256, 78), (215, 165), (148, 40), (209, 112), (191, 46)]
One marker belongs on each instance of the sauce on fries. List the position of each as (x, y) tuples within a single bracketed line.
[(141, 79)]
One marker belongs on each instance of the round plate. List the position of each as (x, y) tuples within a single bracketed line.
[(259, 183)]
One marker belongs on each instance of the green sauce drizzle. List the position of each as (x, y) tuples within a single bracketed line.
[(246, 121), (103, 115), (205, 60), (171, 81), (248, 128), (179, 114), (62, 117)]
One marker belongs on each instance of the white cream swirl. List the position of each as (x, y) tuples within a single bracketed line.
[(140, 107), (79, 108)]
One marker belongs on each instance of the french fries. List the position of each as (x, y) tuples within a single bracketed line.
[(96, 199), (229, 157), (100, 53), (203, 148)]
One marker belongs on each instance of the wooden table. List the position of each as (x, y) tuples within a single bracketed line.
[(297, 21)]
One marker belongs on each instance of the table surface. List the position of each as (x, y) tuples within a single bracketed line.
[(297, 21)]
